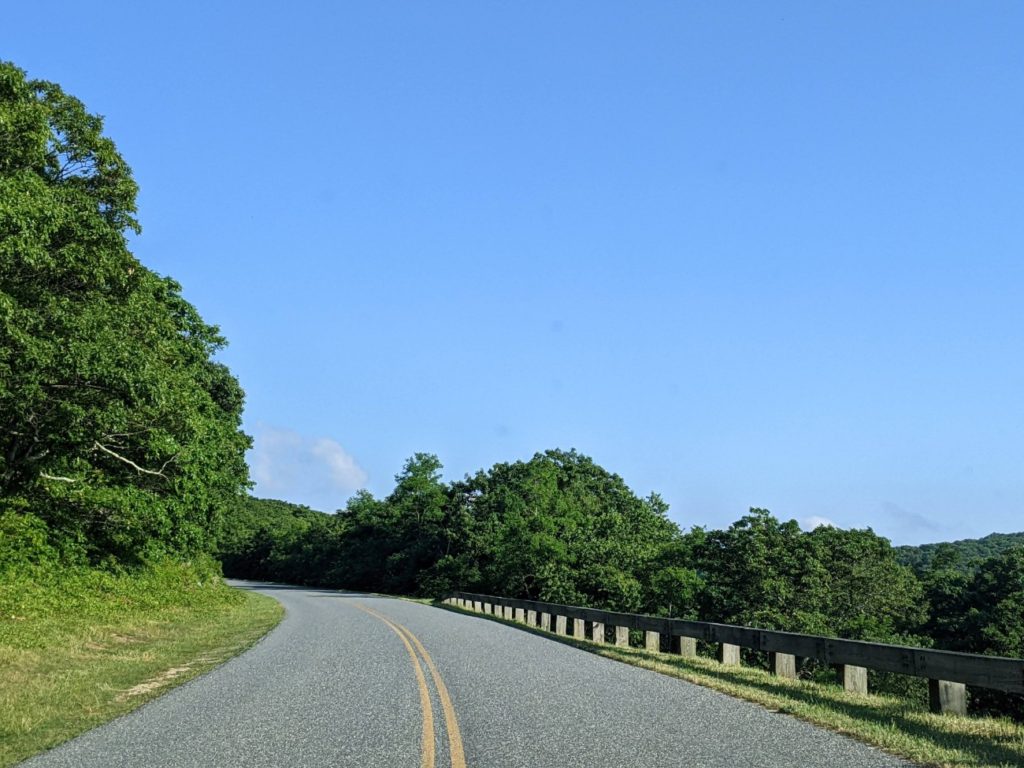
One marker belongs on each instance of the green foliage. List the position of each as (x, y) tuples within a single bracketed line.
[(274, 540), (26, 542), (40, 602), (995, 606), (859, 589), (766, 573), (558, 528), (117, 428), (969, 552)]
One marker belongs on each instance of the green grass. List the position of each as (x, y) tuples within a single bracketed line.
[(80, 647), (897, 725)]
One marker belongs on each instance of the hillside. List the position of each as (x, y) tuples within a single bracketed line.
[(968, 551)]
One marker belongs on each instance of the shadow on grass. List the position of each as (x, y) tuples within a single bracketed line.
[(973, 748)]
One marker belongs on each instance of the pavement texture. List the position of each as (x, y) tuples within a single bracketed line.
[(335, 685)]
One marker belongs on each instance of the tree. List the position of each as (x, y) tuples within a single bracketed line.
[(993, 622), (765, 573), (945, 582), (859, 590), (560, 528), (117, 426)]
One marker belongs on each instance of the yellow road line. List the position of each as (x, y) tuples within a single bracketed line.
[(427, 749), (454, 736), (455, 749)]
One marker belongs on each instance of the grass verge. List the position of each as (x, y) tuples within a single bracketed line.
[(79, 648), (897, 725)]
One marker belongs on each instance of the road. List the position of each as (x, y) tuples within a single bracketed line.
[(359, 680)]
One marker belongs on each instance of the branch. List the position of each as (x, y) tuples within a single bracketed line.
[(129, 462), (57, 477)]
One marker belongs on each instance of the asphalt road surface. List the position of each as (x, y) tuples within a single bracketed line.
[(358, 680)]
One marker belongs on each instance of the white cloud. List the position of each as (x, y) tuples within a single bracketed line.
[(344, 471), (316, 471), (816, 521)]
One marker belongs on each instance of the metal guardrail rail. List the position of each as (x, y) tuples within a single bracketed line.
[(948, 672)]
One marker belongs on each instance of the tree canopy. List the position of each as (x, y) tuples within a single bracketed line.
[(118, 428)]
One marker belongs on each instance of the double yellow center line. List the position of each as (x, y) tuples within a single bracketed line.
[(413, 645)]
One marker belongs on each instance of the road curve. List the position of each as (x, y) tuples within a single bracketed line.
[(358, 680)]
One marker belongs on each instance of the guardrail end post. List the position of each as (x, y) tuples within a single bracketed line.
[(622, 637), (652, 641), (684, 646), (947, 698), (597, 632), (728, 653), (854, 679), (783, 664)]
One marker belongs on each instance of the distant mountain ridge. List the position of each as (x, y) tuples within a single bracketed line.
[(970, 551)]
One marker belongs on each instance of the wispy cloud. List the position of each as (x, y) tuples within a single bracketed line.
[(816, 521), (905, 526), (316, 471)]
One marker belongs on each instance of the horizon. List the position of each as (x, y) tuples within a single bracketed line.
[(741, 257)]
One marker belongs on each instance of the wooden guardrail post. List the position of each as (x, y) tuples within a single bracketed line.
[(560, 628), (622, 637), (545, 621), (478, 606), (728, 653), (854, 679), (652, 641), (520, 615), (783, 664), (531, 617), (684, 646), (597, 631), (947, 698)]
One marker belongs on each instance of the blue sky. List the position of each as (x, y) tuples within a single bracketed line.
[(742, 254)]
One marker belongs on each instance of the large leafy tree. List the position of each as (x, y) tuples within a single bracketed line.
[(753, 572), (117, 427), (766, 573), (558, 527), (991, 622)]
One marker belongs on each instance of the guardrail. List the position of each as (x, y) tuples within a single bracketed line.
[(948, 672)]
